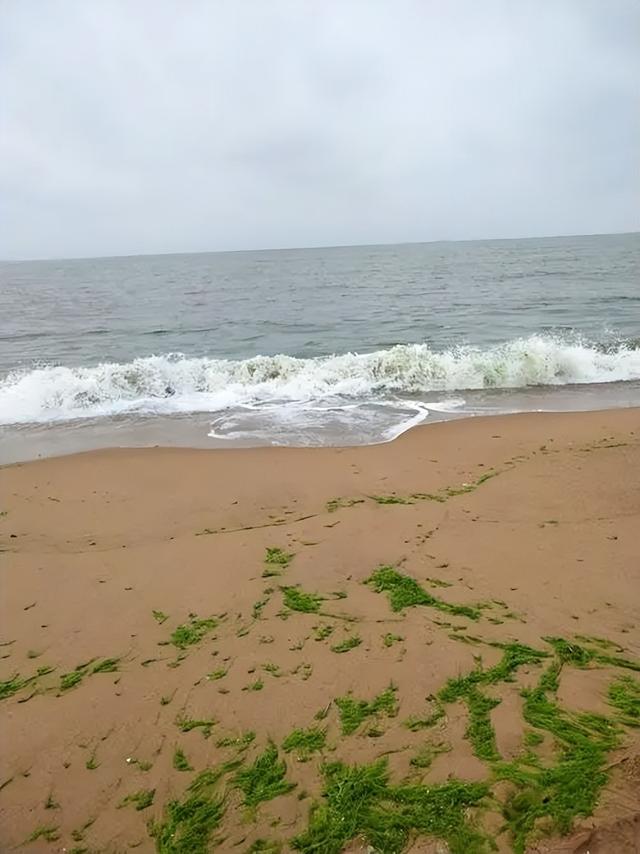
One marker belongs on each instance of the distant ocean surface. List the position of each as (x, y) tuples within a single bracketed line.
[(312, 346)]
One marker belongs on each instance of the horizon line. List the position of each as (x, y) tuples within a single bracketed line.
[(309, 248)]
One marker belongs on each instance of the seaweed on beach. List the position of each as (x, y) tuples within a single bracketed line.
[(74, 677), (265, 846), (189, 724), (180, 761), (16, 683), (92, 762), (514, 655), (436, 713), (583, 656), (47, 832), (297, 600), (187, 826), (258, 607), (552, 797), (546, 797), (479, 705), (360, 802), (337, 503), (141, 800), (322, 631), (390, 499), (264, 780), (354, 712), (304, 742), (107, 665), (220, 673), (192, 632), (240, 742), (624, 696), (405, 592), (424, 757), (347, 644), (276, 560), (447, 492)]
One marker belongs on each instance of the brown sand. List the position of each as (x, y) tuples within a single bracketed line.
[(92, 544)]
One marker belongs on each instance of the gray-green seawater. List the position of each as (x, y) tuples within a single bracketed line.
[(312, 346)]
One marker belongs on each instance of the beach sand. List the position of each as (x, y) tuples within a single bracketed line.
[(516, 528)]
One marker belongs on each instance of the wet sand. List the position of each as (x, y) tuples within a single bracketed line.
[(517, 529)]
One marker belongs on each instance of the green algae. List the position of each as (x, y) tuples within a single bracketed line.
[(405, 592), (264, 780), (189, 724), (188, 825), (337, 503), (347, 644), (47, 832), (390, 499), (180, 761), (277, 561), (624, 696), (240, 742), (305, 742), (354, 712), (17, 683), (297, 600), (359, 802), (582, 656), (323, 631), (191, 633), (141, 800)]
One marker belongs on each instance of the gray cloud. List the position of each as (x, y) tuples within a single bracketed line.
[(155, 126)]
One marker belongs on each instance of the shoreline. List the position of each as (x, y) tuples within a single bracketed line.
[(193, 431), (200, 596)]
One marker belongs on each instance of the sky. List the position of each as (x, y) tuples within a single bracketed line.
[(148, 126)]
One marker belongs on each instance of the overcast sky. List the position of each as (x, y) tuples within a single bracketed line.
[(134, 126)]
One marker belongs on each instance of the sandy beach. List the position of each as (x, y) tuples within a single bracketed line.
[(199, 647)]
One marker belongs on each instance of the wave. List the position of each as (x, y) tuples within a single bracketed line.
[(177, 383)]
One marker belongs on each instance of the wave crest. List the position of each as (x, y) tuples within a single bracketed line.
[(176, 383)]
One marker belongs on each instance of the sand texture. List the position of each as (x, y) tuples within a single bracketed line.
[(430, 646)]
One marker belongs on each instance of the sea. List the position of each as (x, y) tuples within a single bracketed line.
[(306, 347)]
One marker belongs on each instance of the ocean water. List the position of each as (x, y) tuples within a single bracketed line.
[(341, 345)]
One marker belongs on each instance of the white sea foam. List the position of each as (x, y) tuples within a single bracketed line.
[(174, 383)]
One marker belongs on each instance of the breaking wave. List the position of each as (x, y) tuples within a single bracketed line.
[(175, 383)]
